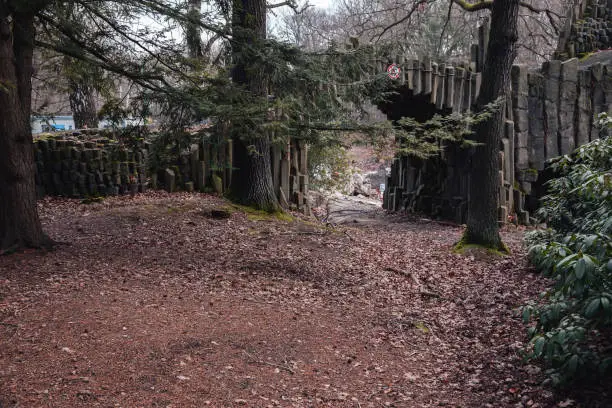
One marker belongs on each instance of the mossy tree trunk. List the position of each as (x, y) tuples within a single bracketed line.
[(483, 207), (252, 180)]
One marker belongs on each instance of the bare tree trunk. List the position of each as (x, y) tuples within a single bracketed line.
[(252, 182), (483, 208), (193, 31), (20, 225), (83, 105)]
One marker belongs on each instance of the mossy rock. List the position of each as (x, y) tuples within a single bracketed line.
[(217, 184)]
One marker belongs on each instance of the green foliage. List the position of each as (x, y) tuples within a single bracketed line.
[(167, 145), (114, 111), (425, 139), (570, 330), (329, 166)]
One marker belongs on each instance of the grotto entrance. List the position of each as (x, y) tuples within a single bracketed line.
[(437, 186)]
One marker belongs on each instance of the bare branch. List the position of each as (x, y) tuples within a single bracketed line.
[(289, 3), (414, 8), (481, 5)]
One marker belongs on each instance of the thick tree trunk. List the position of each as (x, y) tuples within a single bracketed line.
[(252, 181), (254, 187), (83, 105), (19, 222), (483, 208)]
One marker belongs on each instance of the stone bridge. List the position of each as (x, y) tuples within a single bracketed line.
[(551, 110)]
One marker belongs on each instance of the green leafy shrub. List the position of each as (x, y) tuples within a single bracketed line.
[(571, 330)]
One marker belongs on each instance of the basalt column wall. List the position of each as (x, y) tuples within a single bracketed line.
[(86, 164), (551, 111)]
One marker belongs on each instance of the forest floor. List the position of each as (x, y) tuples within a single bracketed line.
[(152, 301)]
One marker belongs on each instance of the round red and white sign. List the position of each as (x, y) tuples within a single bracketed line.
[(393, 71)]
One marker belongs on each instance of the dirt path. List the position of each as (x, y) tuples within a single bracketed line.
[(343, 209), (153, 303)]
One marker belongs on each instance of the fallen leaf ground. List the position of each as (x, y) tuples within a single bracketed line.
[(150, 302)]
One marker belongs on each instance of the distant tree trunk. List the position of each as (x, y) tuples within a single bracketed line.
[(20, 225), (483, 209), (252, 181), (83, 105), (193, 31)]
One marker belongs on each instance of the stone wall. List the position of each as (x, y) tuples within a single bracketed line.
[(90, 163), (87, 163), (588, 29), (209, 166), (551, 111)]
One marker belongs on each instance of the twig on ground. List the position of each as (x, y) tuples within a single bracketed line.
[(255, 360), (304, 233), (422, 291)]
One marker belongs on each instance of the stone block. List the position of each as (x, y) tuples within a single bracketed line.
[(523, 217), (42, 144), (458, 92), (416, 77), (567, 142), (551, 116), (189, 187), (154, 181), (503, 214), (217, 182), (526, 187), (597, 71), (284, 177), (201, 175), (569, 70), (449, 97), (552, 69), (303, 181), (527, 175), (520, 85), (441, 87), (293, 184), (169, 180)]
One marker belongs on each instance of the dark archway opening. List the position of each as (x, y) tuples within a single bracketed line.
[(437, 186), (403, 103)]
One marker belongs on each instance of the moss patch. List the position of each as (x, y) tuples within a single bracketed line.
[(462, 247), (92, 200), (259, 215)]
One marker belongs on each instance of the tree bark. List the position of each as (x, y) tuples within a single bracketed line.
[(83, 105), (252, 180), (483, 206), (20, 225), (193, 32)]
